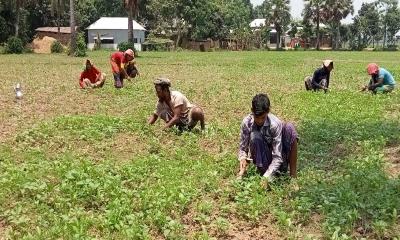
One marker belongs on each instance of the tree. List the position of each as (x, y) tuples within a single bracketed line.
[(314, 12), (58, 5), (392, 22), (16, 6), (370, 22), (293, 29), (336, 10), (132, 7), (72, 25), (279, 16), (389, 15)]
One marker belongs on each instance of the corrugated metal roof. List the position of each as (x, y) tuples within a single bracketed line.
[(112, 23), (54, 29)]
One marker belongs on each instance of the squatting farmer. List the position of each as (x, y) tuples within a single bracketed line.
[(267, 141), (320, 79), (174, 108), (382, 81)]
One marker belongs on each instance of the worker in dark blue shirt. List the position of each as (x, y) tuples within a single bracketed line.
[(320, 79)]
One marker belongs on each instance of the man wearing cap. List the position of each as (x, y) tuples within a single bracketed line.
[(91, 77), (174, 108), (320, 79), (267, 141), (382, 81), (118, 61)]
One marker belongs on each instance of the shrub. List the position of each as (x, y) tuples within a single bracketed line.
[(14, 45), (123, 46), (80, 50), (56, 47)]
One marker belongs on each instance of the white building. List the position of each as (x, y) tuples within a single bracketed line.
[(114, 30)]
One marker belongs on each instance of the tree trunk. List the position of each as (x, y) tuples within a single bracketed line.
[(72, 24), (384, 36), (318, 20), (278, 40), (337, 37), (58, 24), (130, 24), (16, 24)]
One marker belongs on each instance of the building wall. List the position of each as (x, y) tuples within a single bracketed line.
[(63, 38), (119, 36)]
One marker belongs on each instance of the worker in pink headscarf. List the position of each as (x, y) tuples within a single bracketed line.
[(118, 61), (382, 81)]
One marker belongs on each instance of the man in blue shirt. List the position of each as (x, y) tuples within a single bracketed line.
[(382, 81)]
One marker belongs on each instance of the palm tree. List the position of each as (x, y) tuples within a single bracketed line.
[(336, 11), (72, 25), (58, 5), (279, 15), (132, 7), (314, 11)]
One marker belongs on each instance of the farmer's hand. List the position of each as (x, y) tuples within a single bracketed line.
[(242, 169), (264, 182)]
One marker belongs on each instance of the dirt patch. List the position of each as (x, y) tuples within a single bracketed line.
[(232, 227), (3, 230), (243, 230), (313, 229), (42, 45), (210, 145), (340, 151), (127, 145), (392, 157)]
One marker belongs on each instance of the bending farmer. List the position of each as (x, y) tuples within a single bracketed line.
[(382, 81), (270, 143), (320, 79), (174, 108)]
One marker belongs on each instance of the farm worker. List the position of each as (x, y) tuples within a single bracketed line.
[(382, 81), (131, 69), (320, 79), (118, 61), (174, 108), (267, 141), (91, 77)]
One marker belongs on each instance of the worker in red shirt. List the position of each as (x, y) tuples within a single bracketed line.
[(91, 77), (118, 61)]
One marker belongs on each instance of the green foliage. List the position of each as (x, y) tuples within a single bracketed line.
[(123, 46), (92, 168), (81, 48), (56, 47), (4, 33), (14, 45)]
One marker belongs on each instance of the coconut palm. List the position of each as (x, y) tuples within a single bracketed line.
[(278, 14), (336, 11), (314, 11), (58, 6), (132, 7)]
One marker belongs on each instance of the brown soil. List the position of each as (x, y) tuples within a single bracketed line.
[(125, 146), (313, 228), (2, 230), (392, 156), (239, 229)]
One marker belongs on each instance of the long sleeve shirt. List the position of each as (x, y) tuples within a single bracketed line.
[(319, 74), (275, 126)]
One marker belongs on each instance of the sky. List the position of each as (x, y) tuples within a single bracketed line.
[(298, 5)]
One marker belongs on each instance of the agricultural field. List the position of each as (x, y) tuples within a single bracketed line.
[(83, 164)]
